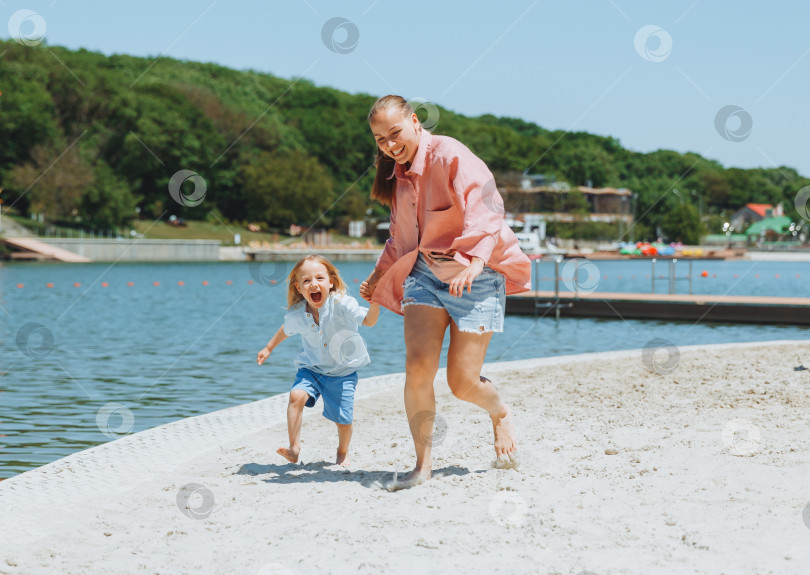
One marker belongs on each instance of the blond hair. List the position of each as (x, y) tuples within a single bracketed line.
[(383, 189), (293, 295)]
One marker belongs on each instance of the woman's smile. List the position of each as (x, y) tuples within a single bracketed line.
[(397, 137)]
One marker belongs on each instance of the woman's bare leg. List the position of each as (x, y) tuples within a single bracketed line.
[(465, 357), (424, 333), (295, 415)]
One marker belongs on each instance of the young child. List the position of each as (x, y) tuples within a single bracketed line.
[(327, 318)]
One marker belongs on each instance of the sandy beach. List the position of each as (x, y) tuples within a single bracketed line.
[(691, 460)]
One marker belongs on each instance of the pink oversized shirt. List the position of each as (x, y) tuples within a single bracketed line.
[(447, 203)]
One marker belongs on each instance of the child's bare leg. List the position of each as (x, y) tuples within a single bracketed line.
[(344, 437), (424, 332), (295, 415)]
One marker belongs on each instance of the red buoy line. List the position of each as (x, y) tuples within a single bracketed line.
[(132, 284), (704, 274)]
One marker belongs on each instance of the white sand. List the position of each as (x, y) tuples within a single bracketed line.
[(711, 475)]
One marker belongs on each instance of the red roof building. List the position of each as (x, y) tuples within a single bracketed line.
[(752, 213)]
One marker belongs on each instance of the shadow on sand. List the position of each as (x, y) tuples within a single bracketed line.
[(325, 472)]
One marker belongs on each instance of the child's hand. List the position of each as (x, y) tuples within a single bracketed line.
[(263, 354)]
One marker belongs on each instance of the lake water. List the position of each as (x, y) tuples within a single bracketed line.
[(81, 364)]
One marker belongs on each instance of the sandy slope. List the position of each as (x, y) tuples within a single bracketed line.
[(711, 475)]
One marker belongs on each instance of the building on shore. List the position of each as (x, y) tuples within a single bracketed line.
[(561, 202), (753, 213)]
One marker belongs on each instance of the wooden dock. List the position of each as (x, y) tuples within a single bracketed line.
[(704, 308)]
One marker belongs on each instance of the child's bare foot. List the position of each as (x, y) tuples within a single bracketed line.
[(342, 458), (505, 440), (412, 479), (288, 454)]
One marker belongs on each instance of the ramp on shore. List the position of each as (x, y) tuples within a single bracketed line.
[(34, 249)]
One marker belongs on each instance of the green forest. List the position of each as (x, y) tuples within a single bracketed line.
[(93, 141)]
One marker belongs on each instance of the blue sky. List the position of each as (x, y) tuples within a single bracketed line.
[(574, 65)]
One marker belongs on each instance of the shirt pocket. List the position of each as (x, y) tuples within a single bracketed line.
[(440, 208), (441, 228)]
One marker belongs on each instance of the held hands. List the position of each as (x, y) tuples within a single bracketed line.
[(367, 287), (263, 355), (367, 290), (465, 277)]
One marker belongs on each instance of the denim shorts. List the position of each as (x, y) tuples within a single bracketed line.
[(337, 392), (480, 311)]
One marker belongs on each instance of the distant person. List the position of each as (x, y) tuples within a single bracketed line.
[(450, 261), (327, 318)]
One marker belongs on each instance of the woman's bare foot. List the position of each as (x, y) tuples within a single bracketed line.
[(412, 479), (505, 440), (290, 455), (342, 458)]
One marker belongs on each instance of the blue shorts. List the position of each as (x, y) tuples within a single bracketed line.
[(480, 311), (337, 392)]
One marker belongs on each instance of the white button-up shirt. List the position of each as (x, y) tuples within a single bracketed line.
[(334, 347)]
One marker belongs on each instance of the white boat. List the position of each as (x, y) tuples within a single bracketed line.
[(531, 236)]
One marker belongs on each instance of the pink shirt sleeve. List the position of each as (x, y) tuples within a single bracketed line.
[(389, 254), (475, 189)]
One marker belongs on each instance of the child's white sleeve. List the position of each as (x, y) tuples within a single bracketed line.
[(293, 323), (353, 310)]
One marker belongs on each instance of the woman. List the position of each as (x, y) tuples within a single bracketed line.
[(450, 261)]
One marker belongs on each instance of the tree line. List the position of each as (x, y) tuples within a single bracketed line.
[(93, 140)]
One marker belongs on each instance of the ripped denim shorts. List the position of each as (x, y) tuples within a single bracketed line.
[(480, 311)]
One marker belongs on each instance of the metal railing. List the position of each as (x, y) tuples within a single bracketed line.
[(536, 279), (671, 278)]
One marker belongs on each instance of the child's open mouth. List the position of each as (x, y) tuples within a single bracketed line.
[(316, 296)]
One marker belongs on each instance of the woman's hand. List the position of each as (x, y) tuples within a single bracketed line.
[(263, 355), (367, 290), (465, 277)]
